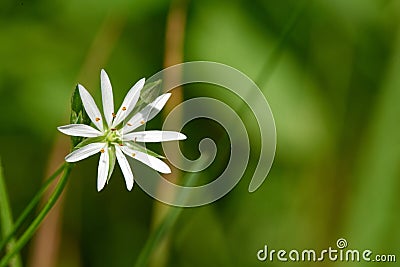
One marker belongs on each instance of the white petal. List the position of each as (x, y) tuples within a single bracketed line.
[(102, 170), (79, 130), (147, 113), (84, 152), (150, 161), (126, 169), (91, 107), (153, 136), (107, 97), (129, 102)]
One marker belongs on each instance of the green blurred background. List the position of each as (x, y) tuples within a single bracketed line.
[(329, 69)]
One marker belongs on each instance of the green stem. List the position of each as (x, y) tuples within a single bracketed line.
[(31, 206), (157, 235), (26, 236), (165, 226), (6, 218)]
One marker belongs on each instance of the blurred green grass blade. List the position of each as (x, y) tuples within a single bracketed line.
[(272, 61), (168, 222), (378, 168), (6, 218), (32, 204), (165, 226), (30, 231)]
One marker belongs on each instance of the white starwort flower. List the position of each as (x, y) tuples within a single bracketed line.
[(115, 137)]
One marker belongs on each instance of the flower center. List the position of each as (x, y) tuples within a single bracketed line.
[(113, 136)]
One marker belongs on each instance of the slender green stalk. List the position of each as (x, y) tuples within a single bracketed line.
[(6, 218), (273, 59), (32, 204), (165, 226), (26, 236), (157, 235)]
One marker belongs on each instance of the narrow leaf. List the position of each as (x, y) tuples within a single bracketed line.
[(6, 219), (149, 92), (78, 114)]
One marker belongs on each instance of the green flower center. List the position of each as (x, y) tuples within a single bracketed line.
[(113, 136)]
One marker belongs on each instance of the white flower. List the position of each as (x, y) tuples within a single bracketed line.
[(115, 137)]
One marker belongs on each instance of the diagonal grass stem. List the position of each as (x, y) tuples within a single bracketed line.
[(29, 232), (32, 204)]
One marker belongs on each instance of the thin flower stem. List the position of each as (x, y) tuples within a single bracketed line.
[(6, 218), (31, 206), (26, 236), (157, 236), (165, 226)]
